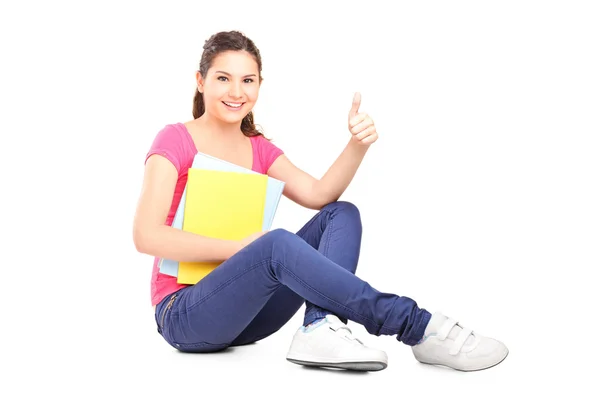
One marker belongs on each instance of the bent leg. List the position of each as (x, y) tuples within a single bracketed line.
[(327, 285), (335, 231), (283, 258), (209, 315)]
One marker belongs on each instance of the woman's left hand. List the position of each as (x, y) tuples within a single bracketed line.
[(360, 125)]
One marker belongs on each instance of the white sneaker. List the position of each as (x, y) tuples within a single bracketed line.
[(329, 343), (449, 344)]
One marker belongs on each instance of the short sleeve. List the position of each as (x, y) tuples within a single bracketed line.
[(169, 144), (268, 153)]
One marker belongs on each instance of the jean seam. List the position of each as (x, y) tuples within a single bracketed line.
[(350, 311), (329, 233)]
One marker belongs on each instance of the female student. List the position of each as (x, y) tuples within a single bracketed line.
[(265, 278)]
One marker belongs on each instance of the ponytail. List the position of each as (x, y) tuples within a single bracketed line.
[(248, 126), (198, 109)]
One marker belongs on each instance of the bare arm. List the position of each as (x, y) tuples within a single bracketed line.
[(313, 193), (151, 235)]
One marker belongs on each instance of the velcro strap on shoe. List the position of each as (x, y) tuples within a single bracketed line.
[(461, 339), (344, 330), (447, 326)]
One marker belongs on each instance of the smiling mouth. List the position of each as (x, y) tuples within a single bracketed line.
[(233, 105)]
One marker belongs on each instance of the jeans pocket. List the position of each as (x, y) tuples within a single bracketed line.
[(162, 314)]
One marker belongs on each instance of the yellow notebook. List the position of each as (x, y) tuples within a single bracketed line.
[(224, 205)]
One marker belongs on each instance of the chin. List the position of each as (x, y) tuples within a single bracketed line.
[(231, 120)]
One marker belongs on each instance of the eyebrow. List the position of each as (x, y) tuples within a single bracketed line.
[(228, 74)]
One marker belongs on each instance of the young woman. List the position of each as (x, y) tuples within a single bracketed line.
[(265, 278)]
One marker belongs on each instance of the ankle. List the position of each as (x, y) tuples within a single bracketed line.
[(313, 321)]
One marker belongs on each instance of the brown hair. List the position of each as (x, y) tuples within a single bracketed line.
[(215, 45)]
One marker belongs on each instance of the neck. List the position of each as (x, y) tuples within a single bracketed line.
[(215, 127)]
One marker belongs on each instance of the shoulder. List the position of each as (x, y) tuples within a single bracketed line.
[(171, 132), (267, 151), (265, 144), (173, 143)]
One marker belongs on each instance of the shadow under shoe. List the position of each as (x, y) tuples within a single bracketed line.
[(329, 343)]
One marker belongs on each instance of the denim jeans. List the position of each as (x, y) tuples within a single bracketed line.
[(260, 288)]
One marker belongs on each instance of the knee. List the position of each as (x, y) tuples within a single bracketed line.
[(280, 235), (280, 241), (343, 207)]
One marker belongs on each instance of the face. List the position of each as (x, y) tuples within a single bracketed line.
[(230, 87)]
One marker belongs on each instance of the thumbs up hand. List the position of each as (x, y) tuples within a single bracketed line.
[(360, 125)]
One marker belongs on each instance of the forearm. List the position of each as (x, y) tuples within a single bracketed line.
[(337, 178), (174, 244)]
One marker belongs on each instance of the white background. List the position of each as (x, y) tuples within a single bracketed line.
[(480, 199)]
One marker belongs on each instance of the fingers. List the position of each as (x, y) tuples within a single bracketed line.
[(358, 118), (370, 139), (366, 133), (361, 124)]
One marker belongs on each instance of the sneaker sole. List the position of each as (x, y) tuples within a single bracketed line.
[(353, 365), (466, 370)]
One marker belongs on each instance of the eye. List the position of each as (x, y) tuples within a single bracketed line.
[(222, 78), (248, 80)]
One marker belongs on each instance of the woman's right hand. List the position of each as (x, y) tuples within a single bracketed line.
[(249, 239)]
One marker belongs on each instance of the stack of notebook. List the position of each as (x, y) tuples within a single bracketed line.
[(225, 201)]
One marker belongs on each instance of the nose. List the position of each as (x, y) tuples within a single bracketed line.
[(235, 90)]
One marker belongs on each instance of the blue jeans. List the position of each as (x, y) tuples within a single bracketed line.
[(259, 289)]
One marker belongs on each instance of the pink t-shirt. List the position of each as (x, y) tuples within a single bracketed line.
[(176, 144)]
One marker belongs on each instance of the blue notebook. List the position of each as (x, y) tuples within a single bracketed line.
[(204, 161)]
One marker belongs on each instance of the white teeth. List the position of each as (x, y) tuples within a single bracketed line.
[(235, 105)]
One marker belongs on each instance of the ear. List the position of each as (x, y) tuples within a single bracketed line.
[(199, 81)]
